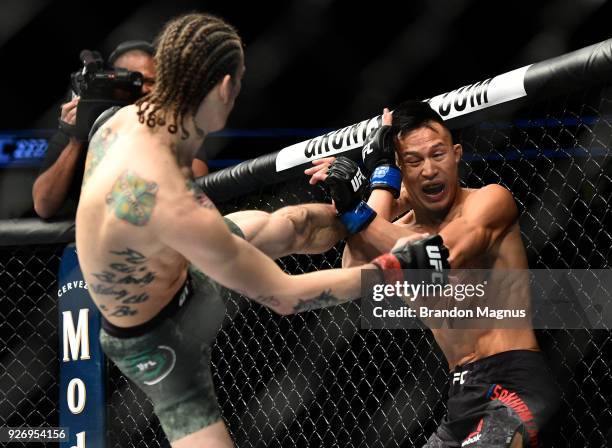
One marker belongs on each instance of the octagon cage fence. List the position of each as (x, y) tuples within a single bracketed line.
[(316, 379)]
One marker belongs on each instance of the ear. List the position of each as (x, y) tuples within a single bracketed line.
[(396, 144), (225, 89), (458, 151)]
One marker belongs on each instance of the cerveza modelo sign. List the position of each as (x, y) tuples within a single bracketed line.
[(82, 364)]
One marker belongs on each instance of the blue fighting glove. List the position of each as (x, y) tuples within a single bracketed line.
[(378, 156)]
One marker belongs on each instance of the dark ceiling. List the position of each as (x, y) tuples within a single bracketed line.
[(312, 63)]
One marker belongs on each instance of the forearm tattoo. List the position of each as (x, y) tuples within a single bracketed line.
[(129, 269), (267, 300), (324, 300), (101, 141), (132, 198)]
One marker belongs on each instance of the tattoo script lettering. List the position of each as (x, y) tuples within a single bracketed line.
[(324, 300), (131, 269)]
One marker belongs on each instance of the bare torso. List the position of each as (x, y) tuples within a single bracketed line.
[(131, 274), (461, 346)]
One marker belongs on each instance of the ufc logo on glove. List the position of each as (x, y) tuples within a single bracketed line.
[(367, 149), (435, 260), (358, 180)]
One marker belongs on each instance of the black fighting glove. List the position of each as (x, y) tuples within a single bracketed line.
[(347, 185), (378, 156), (423, 260)]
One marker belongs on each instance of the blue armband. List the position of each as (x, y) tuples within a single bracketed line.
[(357, 219), (387, 177)]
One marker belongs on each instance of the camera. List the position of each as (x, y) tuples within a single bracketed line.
[(99, 90)]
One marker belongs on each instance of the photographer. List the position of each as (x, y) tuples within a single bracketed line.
[(57, 188)]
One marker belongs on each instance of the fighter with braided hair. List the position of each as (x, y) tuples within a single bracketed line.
[(186, 77), (155, 251)]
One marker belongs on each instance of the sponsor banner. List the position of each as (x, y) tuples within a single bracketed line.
[(488, 299), (330, 144), (82, 364), (467, 99), (490, 92)]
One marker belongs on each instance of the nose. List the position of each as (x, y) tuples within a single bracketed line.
[(147, 84), (429, 169)]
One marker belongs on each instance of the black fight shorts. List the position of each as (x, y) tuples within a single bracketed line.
[(492, 399)]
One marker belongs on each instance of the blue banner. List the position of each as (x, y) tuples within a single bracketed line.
[(82, 393)]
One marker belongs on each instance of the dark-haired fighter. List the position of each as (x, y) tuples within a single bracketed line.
[(154, 249), (501, 391)]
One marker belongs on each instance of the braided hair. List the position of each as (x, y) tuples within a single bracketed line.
[(194, 52)]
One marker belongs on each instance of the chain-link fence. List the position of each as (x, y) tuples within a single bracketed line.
[(29, 363), (315, 379)]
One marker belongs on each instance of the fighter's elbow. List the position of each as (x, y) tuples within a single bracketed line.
[(284, 310), (44, 208), (283, 301)]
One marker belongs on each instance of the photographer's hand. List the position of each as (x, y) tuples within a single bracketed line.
[(68, 113)]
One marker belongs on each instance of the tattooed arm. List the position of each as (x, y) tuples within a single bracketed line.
[(200, 234), (297, 229), (100, 143), (205, 240)]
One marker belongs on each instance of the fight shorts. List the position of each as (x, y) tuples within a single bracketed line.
[(168, 357), (492, 399)]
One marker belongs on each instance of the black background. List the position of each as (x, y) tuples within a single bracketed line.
[(312, 63)]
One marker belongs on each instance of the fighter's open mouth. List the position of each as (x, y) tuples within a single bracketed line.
[(433, 189)]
